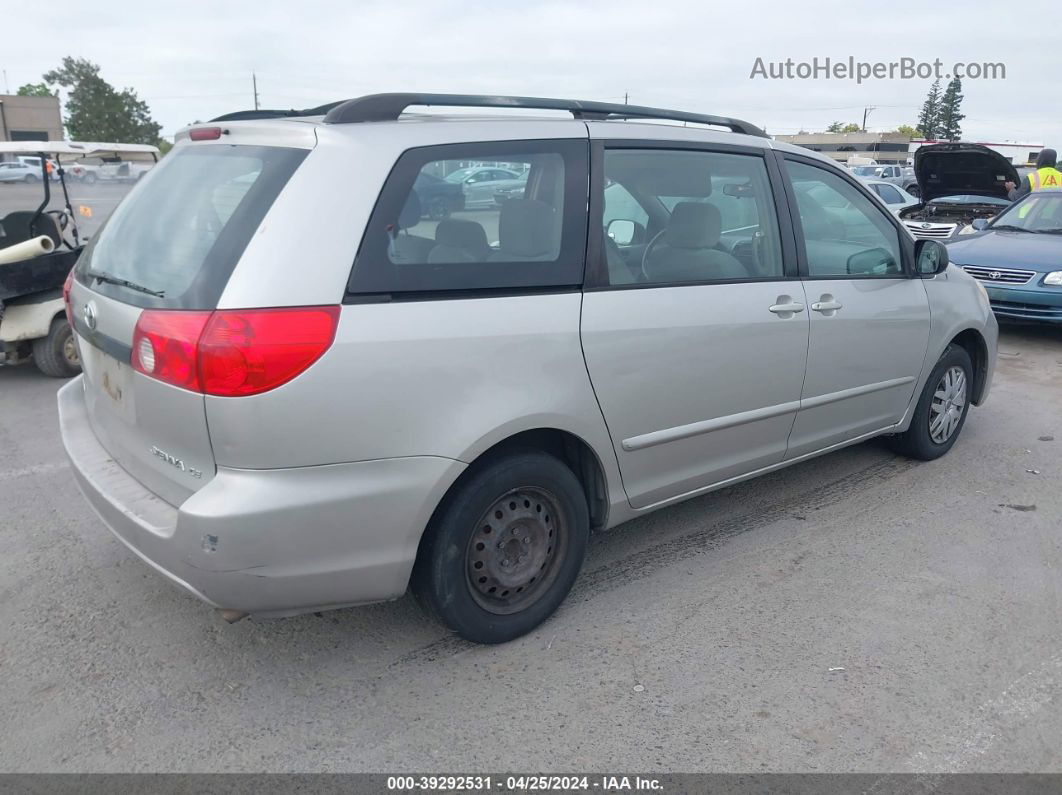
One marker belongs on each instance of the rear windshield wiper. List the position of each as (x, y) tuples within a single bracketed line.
[(100, 276)]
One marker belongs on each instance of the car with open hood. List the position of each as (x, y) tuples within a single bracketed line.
[(957, 183), (1018, 258)]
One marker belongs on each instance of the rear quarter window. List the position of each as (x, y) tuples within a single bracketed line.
[(179, 233), (478, 216)]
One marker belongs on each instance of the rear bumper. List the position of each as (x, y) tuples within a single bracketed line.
[(1018, 303), (268, 542)]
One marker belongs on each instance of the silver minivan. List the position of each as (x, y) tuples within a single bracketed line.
[(302, 391)]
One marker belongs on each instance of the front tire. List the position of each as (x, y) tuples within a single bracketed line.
[(56, 354), (503, 550), (438, 210), (29, 179), (942, 408)]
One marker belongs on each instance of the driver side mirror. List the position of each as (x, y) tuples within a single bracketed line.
[(931, 258), (979, 223), (622, 231)]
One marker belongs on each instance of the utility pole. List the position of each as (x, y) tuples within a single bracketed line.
[(626, 96), (866, 112), (254, 82), (7, 88)]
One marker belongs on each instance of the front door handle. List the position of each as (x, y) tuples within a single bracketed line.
[(786, 307), (827, 305)]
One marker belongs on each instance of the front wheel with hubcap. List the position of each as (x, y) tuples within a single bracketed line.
[(941, 410), (504, 548)]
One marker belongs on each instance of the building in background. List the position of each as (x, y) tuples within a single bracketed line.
[(30, 118), (882, 148)]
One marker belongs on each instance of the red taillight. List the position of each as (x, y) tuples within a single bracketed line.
[(244, 352), (165, 346), (232, 352), (205, 133), (66, 297)]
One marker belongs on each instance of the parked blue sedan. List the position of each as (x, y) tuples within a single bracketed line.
[(1017, 256)]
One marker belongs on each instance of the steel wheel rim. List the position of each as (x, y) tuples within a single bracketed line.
[(516, 550), (948, 405), (70, 351)]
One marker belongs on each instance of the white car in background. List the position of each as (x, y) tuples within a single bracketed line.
[(34, 164), (893, 196), (18, 172), (91, 170)]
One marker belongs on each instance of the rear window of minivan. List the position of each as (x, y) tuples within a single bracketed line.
[(177, 236)]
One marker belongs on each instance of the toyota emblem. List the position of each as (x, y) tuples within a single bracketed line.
[(995, 275), (89, 314), (927, 225)]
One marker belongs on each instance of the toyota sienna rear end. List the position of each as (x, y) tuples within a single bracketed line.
[(206, 292)]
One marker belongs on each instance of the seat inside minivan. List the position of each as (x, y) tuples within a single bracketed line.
[(695, 217), (501, 223)]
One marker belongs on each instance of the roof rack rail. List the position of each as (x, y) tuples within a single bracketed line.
[(250, 115), (388, 107)]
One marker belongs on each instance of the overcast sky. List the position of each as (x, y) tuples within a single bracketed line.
[(192, 60)]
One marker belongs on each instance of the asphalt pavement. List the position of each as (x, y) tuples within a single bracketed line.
[(860, 612)]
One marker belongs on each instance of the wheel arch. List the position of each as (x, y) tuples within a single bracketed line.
[(573, 450), (973, 342)]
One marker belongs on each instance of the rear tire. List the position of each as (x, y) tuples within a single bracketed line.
[(941, 410), (56, 355), (503, 549), (29, 179)]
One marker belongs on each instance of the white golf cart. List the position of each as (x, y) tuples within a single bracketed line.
[(38, 248)]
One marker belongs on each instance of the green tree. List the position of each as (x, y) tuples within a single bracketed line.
[(909, 131), (97, 111), (851, 127), (35, 90), (929, 118), (834, 127), (950, 111)]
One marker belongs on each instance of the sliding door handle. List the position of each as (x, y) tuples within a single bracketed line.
[(786, 308), (827, 305)]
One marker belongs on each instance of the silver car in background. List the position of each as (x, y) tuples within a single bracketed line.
[(302, 393), (13, 171), (892, 196)]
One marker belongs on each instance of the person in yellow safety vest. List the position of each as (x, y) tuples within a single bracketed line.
[(1045, 177)]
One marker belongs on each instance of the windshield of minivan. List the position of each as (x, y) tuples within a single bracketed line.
[(178, 234)]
